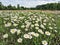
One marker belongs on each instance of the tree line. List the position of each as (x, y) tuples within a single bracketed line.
[(49, 6)]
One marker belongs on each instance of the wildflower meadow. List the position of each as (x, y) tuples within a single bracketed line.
[(29, 28)]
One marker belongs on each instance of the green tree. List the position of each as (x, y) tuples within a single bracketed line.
[(9, 7), (1, 6), (18, 6)]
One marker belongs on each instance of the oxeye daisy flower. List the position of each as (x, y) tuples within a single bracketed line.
[(27, 36), (13, 31), (42, 26), (18, 32), (40, 31), (5, 35), (37, 28), (44, 42), (50, 27), (36, 24), (22, 26), (14, 24), (19, 40), (47, 33), (8, 25)]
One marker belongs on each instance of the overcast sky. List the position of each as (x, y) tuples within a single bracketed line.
[(27, 3)]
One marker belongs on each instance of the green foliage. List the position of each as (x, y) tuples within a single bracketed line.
[(51, 6)]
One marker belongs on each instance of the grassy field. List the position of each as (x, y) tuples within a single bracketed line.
[(45, 11), (29, 27)]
